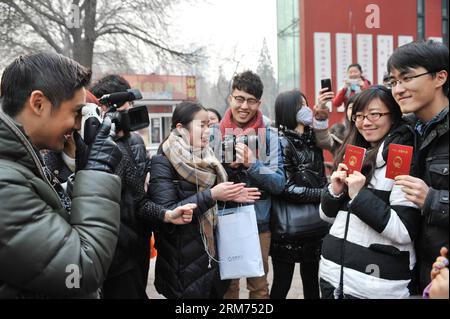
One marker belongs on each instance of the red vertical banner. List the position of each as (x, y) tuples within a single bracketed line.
[(191, 88)]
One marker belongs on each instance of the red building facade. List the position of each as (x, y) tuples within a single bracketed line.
[(333, 34)]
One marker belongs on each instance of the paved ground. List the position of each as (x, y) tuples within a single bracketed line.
[(296, 291)]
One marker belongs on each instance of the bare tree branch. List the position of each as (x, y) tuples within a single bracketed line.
[(36, 28), (43, 22), (50, 14)]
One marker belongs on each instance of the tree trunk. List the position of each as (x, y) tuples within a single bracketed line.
[(83, 49)]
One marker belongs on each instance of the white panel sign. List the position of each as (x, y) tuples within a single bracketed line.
[(405, 39), (344, 56), (364, 43), (385, 47), (437, 39), (322, 56)]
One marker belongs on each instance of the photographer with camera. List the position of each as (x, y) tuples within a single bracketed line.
[(57, 247), (244, 120), (128, 274), (62, 164), (355, 83)]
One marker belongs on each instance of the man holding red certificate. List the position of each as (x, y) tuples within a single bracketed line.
[(399, 160), (419, 83)]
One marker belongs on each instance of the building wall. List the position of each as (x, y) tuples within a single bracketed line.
[(288, 45), (335, 33), (433, 21), (347, 18)]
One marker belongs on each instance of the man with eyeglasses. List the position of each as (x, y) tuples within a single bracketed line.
[(419, 83), (254, 164)]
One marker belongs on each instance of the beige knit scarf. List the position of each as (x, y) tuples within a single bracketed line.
[(202, 168)]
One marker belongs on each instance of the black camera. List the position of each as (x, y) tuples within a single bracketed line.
[(133, 119), (229, 145)]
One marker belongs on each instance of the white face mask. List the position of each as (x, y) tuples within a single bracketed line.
[(305, 116)]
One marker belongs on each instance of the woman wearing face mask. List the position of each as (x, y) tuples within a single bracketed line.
[(294, 120), (354, 84), (369, 252), (187, 171)]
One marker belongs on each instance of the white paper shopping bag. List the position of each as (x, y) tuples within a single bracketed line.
[(238, 243)]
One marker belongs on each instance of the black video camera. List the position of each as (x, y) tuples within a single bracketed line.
[(133, 119)]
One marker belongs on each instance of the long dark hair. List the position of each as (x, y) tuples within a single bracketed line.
[(287, 106), (351, 100), (185, 112), (215, 112), (353, 136)]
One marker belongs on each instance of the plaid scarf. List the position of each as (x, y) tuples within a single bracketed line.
[(202, 168)]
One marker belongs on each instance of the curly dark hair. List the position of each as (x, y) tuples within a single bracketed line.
[(248, 82)]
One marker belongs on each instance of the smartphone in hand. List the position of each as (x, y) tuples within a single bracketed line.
[(326, 84)]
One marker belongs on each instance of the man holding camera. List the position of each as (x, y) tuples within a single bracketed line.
[(52, 246), (127, 277), (243, 120)]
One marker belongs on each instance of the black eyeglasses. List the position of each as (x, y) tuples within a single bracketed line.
[(372, 117), (392, 83), (241, 100)]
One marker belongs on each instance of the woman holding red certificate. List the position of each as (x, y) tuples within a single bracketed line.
[(369, 251)]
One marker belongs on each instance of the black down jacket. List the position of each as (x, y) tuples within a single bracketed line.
[(299, 150), (137, 147), (431, 156), (182, 264)]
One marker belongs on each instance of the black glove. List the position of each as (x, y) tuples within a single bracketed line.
[(81, 152), (104, 154)]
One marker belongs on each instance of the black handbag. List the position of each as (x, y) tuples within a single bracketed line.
[(293, 221), (308, 178)]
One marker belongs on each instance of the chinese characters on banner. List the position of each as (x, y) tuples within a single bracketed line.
[(161, 87), (322, 53), (344, 57), (385, 47), (365, 54)]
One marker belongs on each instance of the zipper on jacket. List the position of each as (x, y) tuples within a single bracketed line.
[(339, 291)]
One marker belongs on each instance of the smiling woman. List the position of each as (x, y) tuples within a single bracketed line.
[(185, 170), (375, 112), (372, 218)]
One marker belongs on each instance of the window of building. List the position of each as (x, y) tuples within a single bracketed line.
[(420, 19), (159, 129)]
